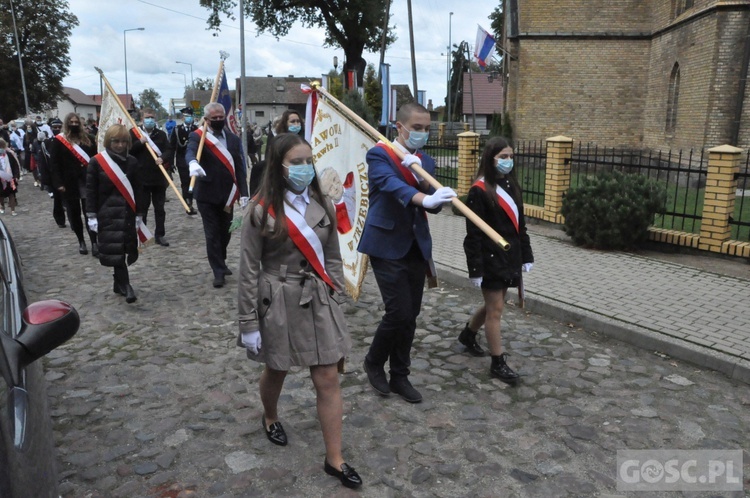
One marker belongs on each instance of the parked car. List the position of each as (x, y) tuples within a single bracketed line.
[(28, 332)]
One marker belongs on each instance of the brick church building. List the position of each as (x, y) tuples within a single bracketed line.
[(655, 74)]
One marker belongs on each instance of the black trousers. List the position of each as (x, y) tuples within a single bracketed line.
[(58, 211), (75, 207), (401, 284), (216, 223), (156, 195), (122, 277), (184, 171)]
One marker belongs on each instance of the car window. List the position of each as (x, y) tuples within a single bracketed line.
[(5, 297)]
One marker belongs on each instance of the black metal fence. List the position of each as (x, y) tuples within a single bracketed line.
[(740, 219), (682, 173), (445, 153), (530, 164)]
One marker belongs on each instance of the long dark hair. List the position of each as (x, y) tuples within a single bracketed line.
[(273, 184), (490, 173), (282, 127), (79, 136)]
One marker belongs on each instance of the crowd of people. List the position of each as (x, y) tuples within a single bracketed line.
[(290, 282)]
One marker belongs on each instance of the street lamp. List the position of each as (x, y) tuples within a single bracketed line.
[(20, 59), (448, 94), (192, 81), (125, 49), (183, 77)]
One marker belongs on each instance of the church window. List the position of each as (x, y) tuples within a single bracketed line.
[(673, 98)]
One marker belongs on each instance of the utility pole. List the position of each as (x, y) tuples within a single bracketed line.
[(384, 38), (450, 116), (243, 113), (20, 59), (413, 60)]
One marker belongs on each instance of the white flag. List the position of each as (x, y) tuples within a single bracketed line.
[(111, 114)]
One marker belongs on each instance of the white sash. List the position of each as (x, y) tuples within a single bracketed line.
[(75, 149), (298, 220), (151, 142)]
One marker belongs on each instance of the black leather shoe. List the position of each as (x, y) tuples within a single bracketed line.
[(95, 250), (500, 370), (82, 249), (192, 210), (276, 433), (61, 225), (117, 289), (468, 338), (130, 294), (403, 388), (219, 281), (162, 241), (227, 271), (348, 475), (376, 376)]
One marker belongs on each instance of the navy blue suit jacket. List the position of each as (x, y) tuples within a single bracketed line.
[(393, 223), (214, 188)]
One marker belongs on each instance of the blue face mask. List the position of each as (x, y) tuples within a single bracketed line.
[(417, 139), (189, 120), (504, 166), (149, 123), (295, 128), (300, 176)]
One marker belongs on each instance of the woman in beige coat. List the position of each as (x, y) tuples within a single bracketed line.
[(290, 286)]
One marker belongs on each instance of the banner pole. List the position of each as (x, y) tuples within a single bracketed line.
[(148, 146), (214, 96), (365, 126)]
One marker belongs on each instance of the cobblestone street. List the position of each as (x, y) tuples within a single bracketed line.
[(154, 399)]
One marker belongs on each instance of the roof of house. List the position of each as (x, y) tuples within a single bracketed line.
[(78, 97), (126, 99), (274, 89), (488, 95)]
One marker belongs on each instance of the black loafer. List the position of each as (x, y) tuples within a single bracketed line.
[(162, 241), (227, 271), (95, 250), (347, 475), (219, 281), (276, 434), (403, 388)]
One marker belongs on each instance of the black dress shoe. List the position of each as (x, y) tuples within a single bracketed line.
[(219, 281), (95, 250), (276, 433), (192, 211), (403, 388), (130, 294), (61, 225), (468, 338), (82, 249), (376, 376), (227, 271), (348, 475), (162, 241), (500, 370)]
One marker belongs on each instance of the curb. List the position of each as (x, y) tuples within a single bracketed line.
[(733, 367)]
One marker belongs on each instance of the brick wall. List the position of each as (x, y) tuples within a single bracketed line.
[(537, 16)]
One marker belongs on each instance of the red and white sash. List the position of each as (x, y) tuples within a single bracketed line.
[(220, 151), (143, 133), (117, 176), (505, 200), (405, 172), (6, 172), (306, 240), (74, 149)]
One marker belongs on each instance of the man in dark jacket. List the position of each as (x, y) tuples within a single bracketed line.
[(152, 179), (222, 180), (179, 142), (58, 211)]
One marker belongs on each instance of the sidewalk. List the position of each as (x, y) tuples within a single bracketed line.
[(684, 312)]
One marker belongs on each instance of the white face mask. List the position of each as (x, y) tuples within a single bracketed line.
[(504, 166)]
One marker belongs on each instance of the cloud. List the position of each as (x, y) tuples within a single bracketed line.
[(175, 30)]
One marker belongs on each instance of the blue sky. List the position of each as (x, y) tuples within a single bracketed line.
[(175, 30)]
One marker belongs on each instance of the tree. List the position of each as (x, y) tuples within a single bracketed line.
[(335, 84), (497, 23), (373, 92), (204, 84), (151, 98), (353, 100), (352, 25), (44, 30)]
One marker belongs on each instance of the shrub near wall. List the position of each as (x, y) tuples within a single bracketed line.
[(612, 210)]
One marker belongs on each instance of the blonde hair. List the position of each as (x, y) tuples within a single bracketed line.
[(117, 131)]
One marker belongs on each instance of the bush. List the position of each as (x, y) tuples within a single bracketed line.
[(612, 210)]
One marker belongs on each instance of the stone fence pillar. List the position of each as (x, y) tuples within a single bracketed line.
[(557, 177), (718, 201), (468, 160), (441, 133)]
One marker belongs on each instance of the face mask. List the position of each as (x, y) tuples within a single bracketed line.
[(504, 166), (300, 176), (149, 123), (189, 120), (295, 128), (417, 139), (39, 123), (55, 131), (75, 128), (217, 125)]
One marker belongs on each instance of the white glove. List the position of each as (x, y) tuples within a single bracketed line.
[(410, 159), (441, 196), (138, 220), (93, 224), (195, 169), (527, 267), (244, 201), (476, 282), (251, 340)]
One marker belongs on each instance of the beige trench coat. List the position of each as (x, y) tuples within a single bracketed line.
[(298, 315)]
